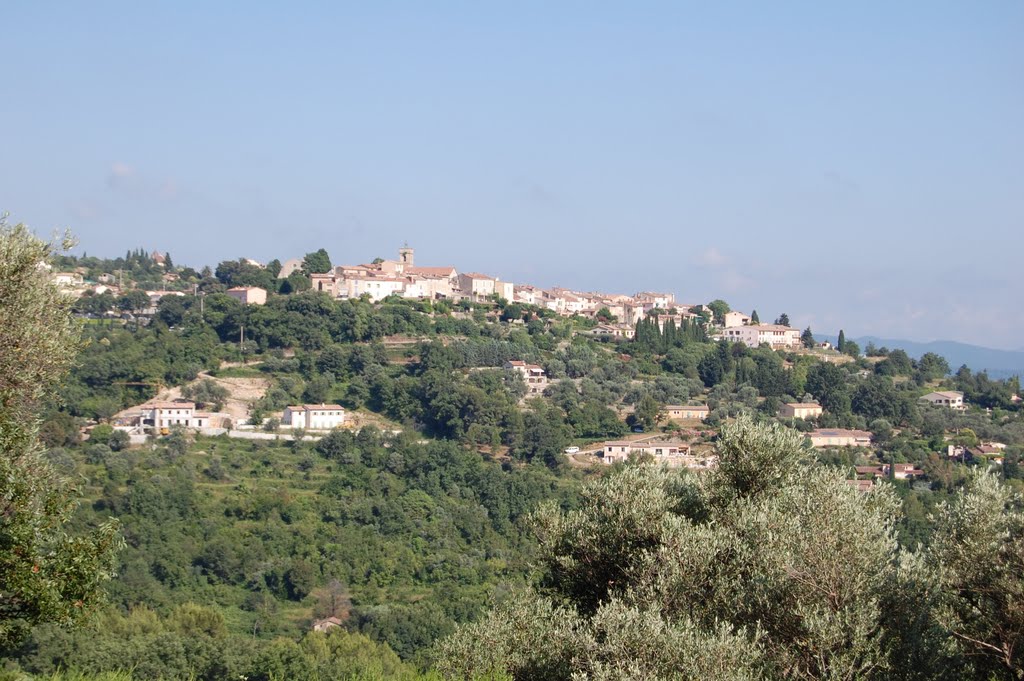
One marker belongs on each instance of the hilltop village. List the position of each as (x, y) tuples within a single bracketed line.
[(657, 428)]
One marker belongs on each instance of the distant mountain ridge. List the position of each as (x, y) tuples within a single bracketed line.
[(998, 363)]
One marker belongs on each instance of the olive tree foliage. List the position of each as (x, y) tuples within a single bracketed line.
[(46, 575), (978, 557), (766, 567)]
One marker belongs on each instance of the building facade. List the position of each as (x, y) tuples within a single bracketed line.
[(314, 416), (800, 410)]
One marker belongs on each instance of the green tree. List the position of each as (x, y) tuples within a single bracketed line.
[(841, 343), (754, 319), (659, 574), (207, 393), (133, 301), (46, 573), (296, 282), (317, 262), (647, 413), (827, 383), (876, 397), (719, 308), (783, 319), (807, 338), (978, 555), (932, 366)]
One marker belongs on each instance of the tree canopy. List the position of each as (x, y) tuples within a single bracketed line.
[(317, 262), (46, 573), (766, 567)]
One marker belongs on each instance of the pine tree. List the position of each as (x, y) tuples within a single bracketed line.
[(841, 344), (754, 319), (807, 338), (669, 335)]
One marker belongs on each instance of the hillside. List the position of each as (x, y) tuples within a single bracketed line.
[(998, 363), (236, 548)]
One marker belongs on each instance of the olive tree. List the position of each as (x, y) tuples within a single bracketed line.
[(46, 574), (764, 567), (978, 557)]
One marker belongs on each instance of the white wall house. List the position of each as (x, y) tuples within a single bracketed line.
[(378, 288), (476, 285), (248, 295), (734, 318), (535, 377), (839, 437), (800, 410), (314, 416), (946, 398), (698, 412), (662, 301), (773, 335), (168, 414), (664, 452), (504, 289)]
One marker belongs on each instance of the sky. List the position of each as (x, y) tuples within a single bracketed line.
[(857, 165)]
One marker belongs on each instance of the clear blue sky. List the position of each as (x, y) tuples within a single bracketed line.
[(857, 165)]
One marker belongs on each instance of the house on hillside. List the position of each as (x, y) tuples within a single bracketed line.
[(248, 295), (68, 279), (167, 414), (620, 450), (775, 336), (839, 437), (734, 318), (670, 453), (314, 416), (534, 375), (326, 624), (661, 301), (680, 412), (900, 471), (325, 282), (613, 331), (475, 285), (946, 398), (861, 485), (800, 410)]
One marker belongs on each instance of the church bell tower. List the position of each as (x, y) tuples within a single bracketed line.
[(405, 256)]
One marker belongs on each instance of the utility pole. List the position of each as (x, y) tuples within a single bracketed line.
[(201, 297)]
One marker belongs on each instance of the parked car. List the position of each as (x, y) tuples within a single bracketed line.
[(572, 450)]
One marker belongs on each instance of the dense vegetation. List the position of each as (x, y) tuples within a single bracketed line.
[(233, 548), (398, 539), (767, 567)]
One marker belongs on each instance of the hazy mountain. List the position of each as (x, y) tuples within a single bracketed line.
[(998, 363)]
